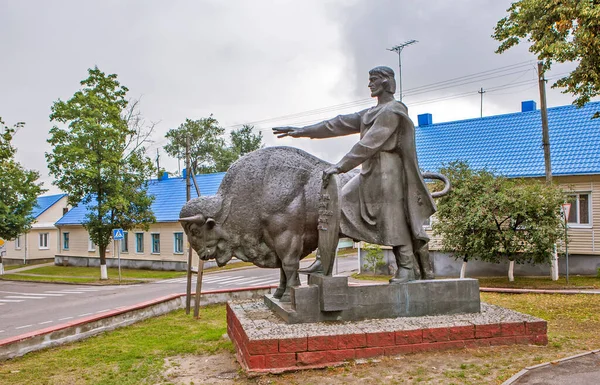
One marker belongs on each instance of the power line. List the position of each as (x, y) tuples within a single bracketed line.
[(454, 82)]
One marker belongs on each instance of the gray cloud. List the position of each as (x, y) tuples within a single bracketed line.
[(249, 61)]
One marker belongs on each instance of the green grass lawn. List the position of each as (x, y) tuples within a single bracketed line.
[(12, 267), (73, 271), (89, 275), (131, 355), (113, 280), (575, 282)]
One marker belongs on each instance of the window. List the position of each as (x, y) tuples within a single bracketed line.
[(155, 243), (65, 241), (125, 242), (427, 224), (139, 242), (178, 243), (91, 245), (580, 209), (43, 241), (18, 243)]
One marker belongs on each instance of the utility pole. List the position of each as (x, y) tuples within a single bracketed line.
[(481, 92), (157, 165), (188, 187), (398, 48), (545, 134)]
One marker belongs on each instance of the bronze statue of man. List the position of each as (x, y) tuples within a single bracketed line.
[(387, 203)]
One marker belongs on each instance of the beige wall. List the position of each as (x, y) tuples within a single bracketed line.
[(30, 242), (78, 244), (583, 239)]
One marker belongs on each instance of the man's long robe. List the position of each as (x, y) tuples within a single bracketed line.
[(388, 202)]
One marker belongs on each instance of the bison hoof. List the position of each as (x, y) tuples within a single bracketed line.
[(279, 293)]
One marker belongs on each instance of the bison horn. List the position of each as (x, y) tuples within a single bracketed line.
[(199, 219)]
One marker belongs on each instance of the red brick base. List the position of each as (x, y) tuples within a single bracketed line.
[(278, 355)]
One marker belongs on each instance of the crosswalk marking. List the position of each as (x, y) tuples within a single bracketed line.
[(27, 294), (22, 297), (11, 300)]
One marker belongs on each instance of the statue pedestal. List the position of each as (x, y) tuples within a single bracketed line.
[(332, 299), (264, 342)]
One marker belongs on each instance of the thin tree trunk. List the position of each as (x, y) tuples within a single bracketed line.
[(554, 264), (511, 271), (103, 270), (463, 268)]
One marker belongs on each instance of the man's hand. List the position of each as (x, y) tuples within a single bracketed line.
[(328, 173), (282, 132)]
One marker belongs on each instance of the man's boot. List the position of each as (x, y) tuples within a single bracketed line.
[(315, 267), (405, 264)]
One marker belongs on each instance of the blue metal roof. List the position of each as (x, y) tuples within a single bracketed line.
[(44, 203), (169, 198), (511, 144)]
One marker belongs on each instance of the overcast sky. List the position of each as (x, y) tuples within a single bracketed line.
[(267, 63)]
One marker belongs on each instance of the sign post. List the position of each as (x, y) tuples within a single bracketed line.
[(118, 235), (566, 209), (2, 251)]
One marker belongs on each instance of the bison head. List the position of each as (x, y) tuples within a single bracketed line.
[(205, 234)]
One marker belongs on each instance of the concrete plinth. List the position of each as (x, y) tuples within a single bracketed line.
[(331, 299), (266, 343)]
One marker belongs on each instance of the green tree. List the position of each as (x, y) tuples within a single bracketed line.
[(208, 149), (206, 143), (559, 31), (18, 187), (243, 141), (494, 219), (99, 159)]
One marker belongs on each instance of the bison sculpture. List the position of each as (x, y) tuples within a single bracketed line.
[(265, 212)]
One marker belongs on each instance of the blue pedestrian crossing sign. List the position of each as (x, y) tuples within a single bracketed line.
[(118, 234)]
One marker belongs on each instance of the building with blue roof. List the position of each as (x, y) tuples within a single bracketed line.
[(161, 247), (40, 243), (511, 145)]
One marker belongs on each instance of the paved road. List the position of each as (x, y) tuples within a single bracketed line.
[(30, 306)]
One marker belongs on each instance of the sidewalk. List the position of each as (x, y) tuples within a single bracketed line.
[(28, 267), (581, 369)]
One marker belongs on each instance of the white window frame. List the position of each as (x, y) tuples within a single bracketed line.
[(428, 226), (125, 242), (46, 244), (91, 245), (575, 210), (68, 238), (18, 242), (137, 249), (175, 251), (152, 235)]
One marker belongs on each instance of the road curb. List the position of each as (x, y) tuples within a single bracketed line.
[(523, 372), (88, 326), (536, 291)]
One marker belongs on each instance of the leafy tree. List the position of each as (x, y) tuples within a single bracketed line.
[(494, 218), (99, 159), (208, 150), (18, 187), (244, 140), (559, 31), (206, 143), (374, 260)]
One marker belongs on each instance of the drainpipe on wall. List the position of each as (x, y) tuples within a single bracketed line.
[(26, 250)]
